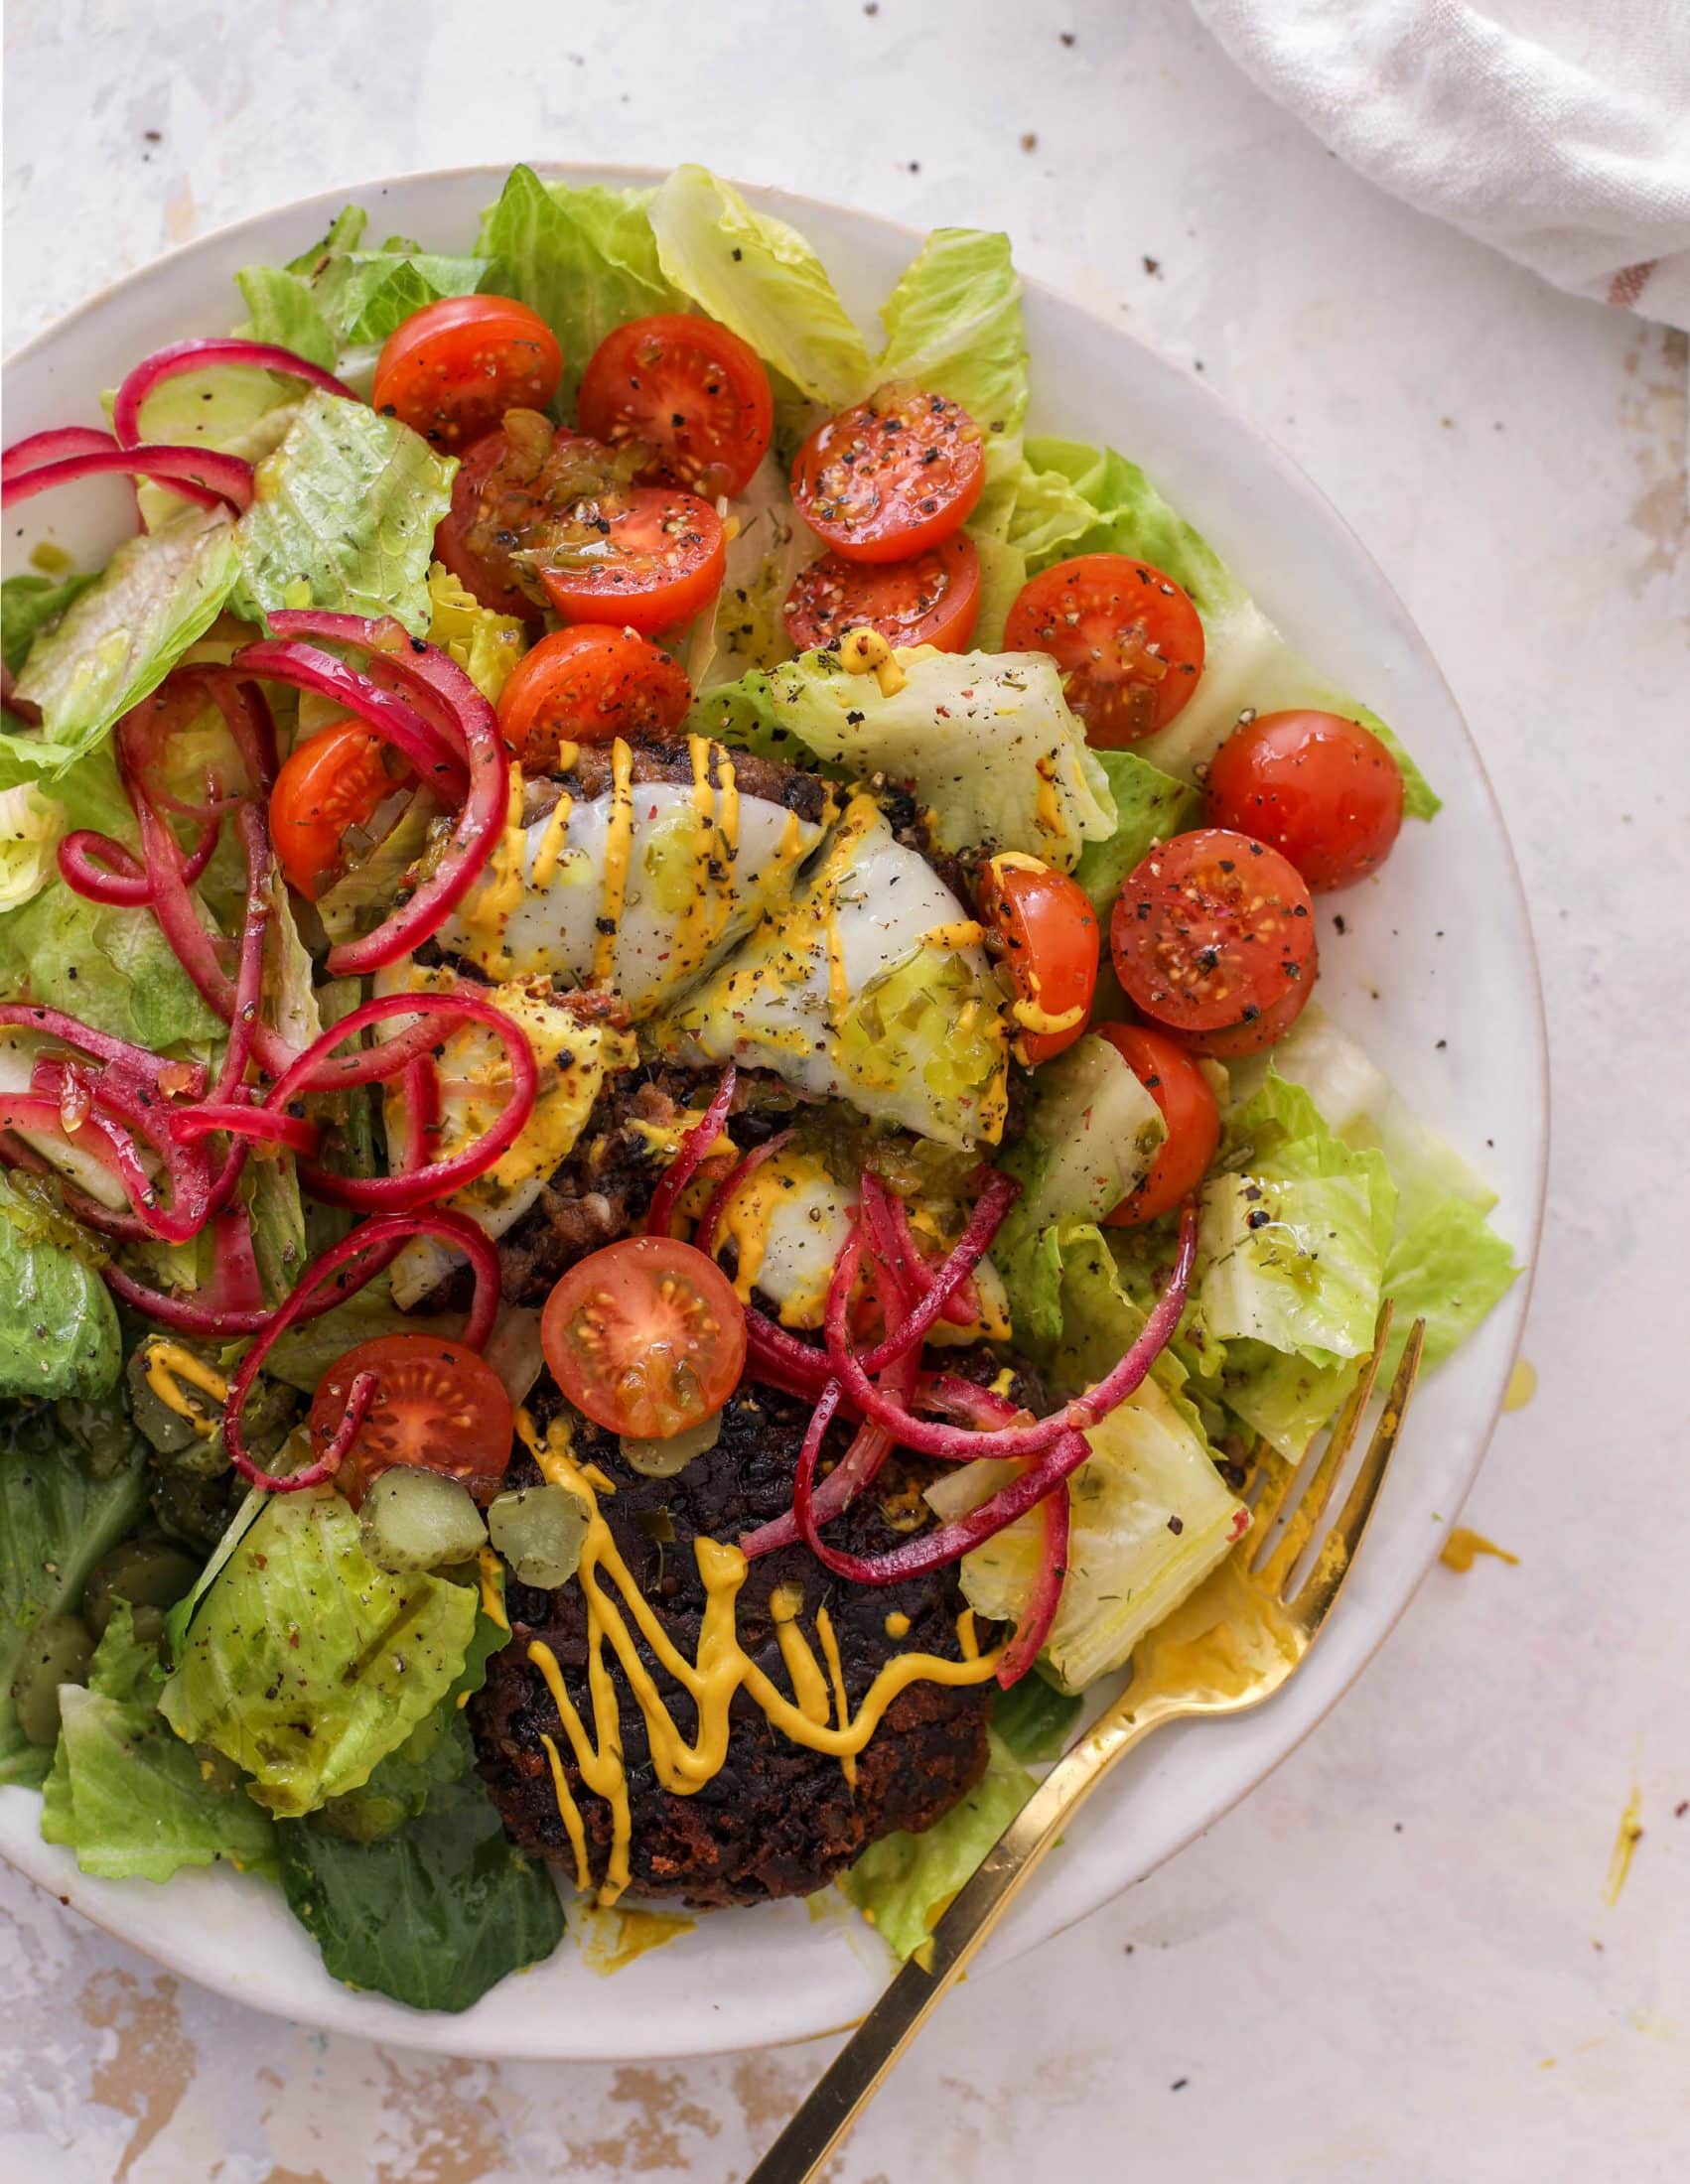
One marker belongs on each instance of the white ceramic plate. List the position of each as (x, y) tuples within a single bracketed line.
[(1439, 950)]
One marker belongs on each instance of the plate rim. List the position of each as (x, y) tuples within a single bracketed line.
[(343, 2009)]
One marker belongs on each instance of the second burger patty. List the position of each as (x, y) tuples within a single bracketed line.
[(778, 1819)]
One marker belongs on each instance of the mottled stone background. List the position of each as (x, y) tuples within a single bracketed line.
[(1396, 1962)]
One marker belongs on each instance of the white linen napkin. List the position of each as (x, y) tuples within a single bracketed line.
[(1555, 130)]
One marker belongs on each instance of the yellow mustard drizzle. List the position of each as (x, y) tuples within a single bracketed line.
[(866, 652), (493, 1588), (552, 838), (619, 844), (809, 1685), (597, 1479), (168, 1363), (961, 933), (721, 1668), (1046, 811), (898, 1625), (968, 1637), (836, 1677)]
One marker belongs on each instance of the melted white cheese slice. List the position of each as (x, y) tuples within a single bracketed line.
[(676, 871)]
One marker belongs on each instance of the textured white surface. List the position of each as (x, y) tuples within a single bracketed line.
[(1363, 1972)]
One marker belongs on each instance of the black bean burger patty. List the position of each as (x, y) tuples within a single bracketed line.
[(779, 1820)]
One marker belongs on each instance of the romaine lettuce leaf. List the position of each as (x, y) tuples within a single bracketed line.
[(1449, 1268), (485, 646), (305, 1664), (127, 1795), (1150, 806), (337, 303), (28, 603), (1292, 1264), (58, 1329), (763, 557), (435, 1912), (123, 635), (30, 825), (986, 742), (904, 1884), (1033, 1718), (1075, 499), (1357, 1101), (108, 965), (1090, 1137), (56, 1520), (345, 516), (1003, 572), (585, 259), (1148, 1518), (954, 325), (760, 279)]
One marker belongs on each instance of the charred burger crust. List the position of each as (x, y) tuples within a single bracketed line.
[(777, 1819)]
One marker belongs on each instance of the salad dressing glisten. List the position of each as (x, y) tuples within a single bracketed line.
[(721, 1668)]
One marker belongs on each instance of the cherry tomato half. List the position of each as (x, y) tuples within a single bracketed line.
[(451, 370), (1189, 1108), (1127, 638), (489, 502), (689, 389), (1043, 931), (1212, 930), (332, 781), (1323, 791), (1252, 1033), (645, 1337), (891, 477), (648, 557), (436, 1405), (585, 685), (933, 600)]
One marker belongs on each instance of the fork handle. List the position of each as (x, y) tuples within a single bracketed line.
[(852, 2079)]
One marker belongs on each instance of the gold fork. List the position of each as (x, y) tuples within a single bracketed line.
[(1232, 1644)]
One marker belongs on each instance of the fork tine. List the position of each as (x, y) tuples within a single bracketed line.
[(1276, 1568), (1332, 1563)]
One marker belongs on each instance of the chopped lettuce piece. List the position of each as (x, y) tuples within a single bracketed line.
[(31, 824), (56, 1520), (1090, 1138), (29, 604), (123, 634), (434, 1912), (59, 1331), (954, 325), (128, 1796), (1291, 1263), (763, 557), (305, 1664), (905, 1883), (1148, 1518), (866, 986), (337, 303), (1075, 499), (1150, 806), (1449, 1268), (586, 259), (763, 281), (487, 645), (1355, 1099), (1003, 572), (345, 516), (108, 965), (986, 742), (1033, 1718)]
